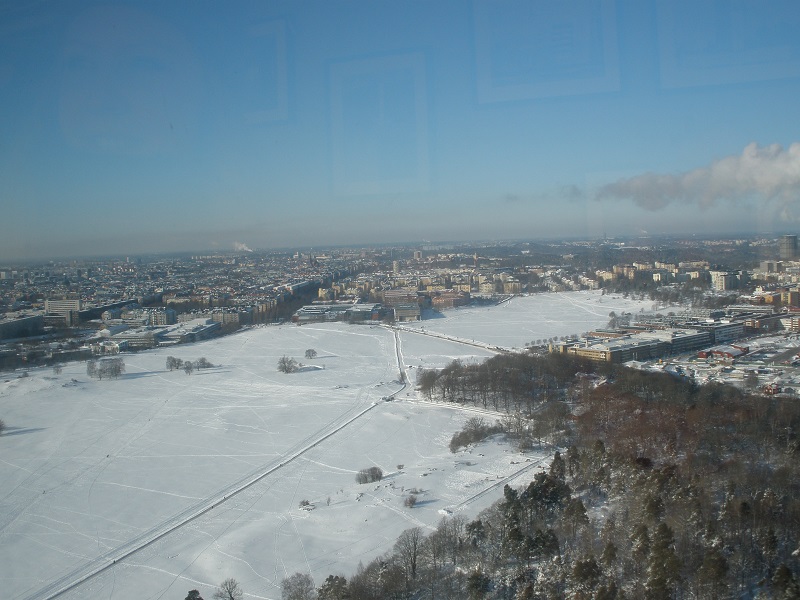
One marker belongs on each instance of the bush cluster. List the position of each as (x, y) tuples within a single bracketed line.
[(475, 430), (369, 475)]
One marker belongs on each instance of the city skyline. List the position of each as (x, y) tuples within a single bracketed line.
[(133, 127)]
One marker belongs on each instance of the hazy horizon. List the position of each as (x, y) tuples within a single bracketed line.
[(133, 127)]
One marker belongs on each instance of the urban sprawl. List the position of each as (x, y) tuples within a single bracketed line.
[(714, 301)]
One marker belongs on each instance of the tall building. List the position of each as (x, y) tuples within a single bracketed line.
[(62, 306), (722, 280), (787, 247), (66, 308)]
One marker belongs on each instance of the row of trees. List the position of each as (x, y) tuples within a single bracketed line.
[(105, 367), (187, 366), (300, 586)]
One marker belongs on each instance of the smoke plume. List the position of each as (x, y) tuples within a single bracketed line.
[(768, 174), (240, 247)]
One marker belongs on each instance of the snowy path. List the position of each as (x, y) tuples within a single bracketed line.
[(449, 338)]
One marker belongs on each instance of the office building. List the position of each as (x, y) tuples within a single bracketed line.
[(787, 247)]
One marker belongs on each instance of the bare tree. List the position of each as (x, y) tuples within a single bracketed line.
[(407, 548), (202, 363), (2, 426), (287, 364), (311, 353), (188, 367), (299, 586), (111, 367), (229, 590)]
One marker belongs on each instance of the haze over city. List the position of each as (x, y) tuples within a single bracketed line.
[(144, 127)]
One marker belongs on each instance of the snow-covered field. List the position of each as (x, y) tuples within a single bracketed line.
[(526, 319), (160, 482)]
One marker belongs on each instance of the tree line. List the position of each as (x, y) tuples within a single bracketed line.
[(506, 382), (186, 365), (667, 490)]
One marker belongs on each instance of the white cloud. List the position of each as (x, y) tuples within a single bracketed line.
[(768, 174)]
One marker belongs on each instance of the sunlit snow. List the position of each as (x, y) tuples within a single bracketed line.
[(161, 482)]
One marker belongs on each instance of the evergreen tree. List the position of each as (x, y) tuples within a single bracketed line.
[(713, 573), (333, 588), (558, 468), (664, 568), (478, 585)]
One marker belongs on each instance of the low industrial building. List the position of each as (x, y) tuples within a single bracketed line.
[(21, 327), (338, 312), (724, 352), (644, 345), (407, 312), (620, 350)]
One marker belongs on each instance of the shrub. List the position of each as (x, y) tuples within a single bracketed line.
[(410, 501)]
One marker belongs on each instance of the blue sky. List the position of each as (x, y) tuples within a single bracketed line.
[(131, 127)]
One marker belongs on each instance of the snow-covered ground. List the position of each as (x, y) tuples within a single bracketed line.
[(525, 319), (160, 482)]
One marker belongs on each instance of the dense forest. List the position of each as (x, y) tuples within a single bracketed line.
[(664, 490)]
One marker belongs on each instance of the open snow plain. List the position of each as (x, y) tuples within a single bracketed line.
[(160, 482), (525, 319)]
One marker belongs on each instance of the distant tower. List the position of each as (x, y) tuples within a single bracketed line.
[(787, 247)]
